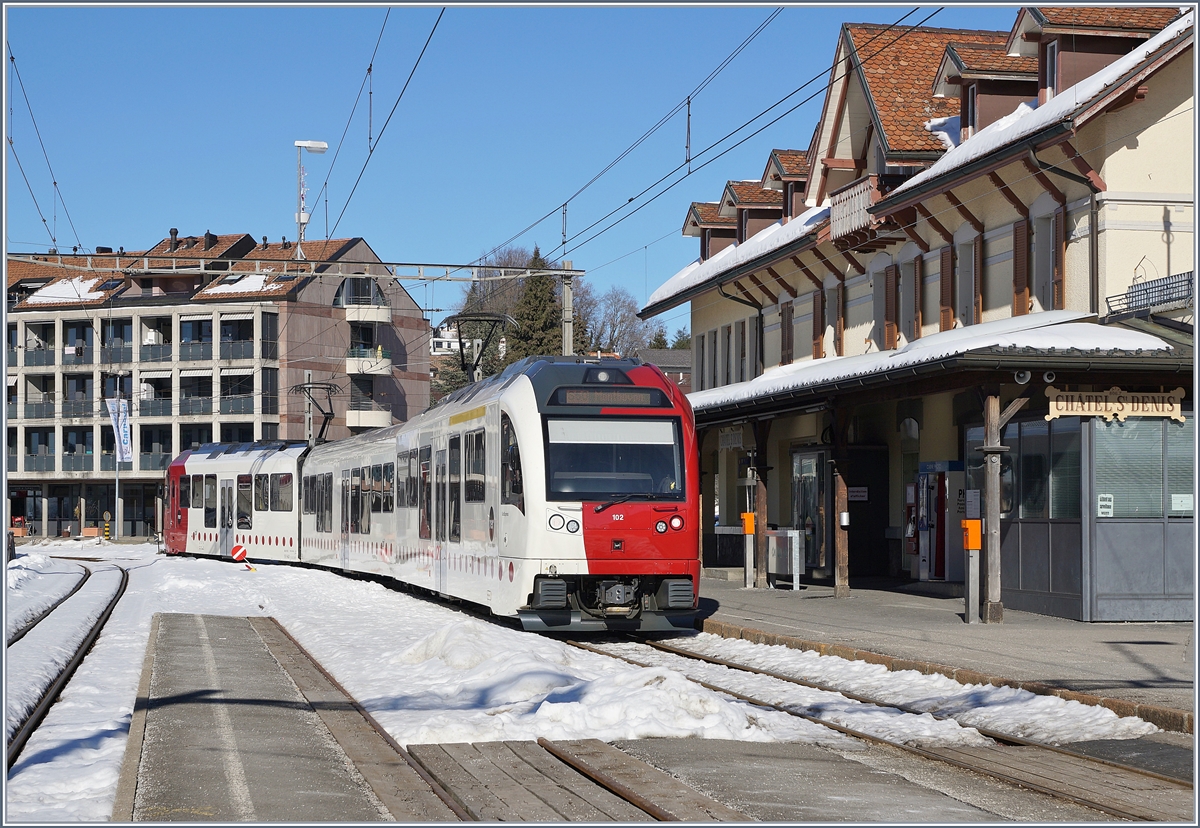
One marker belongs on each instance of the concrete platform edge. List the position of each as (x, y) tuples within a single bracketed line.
[(127, 782), (1167, 718)]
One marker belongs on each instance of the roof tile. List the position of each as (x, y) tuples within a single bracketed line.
[(1129, 18)]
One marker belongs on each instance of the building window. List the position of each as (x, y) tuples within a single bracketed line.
[(1144, 468), (1039, 475), (727, 349), (270, 336), (1051, 68), (712, 359), (698, 368), (972, 112), (787, 334)]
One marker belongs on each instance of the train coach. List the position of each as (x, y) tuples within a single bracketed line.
[(563, 492)]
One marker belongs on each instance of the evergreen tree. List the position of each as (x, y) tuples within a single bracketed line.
[(659, 340), (682, 340), (538, 315)]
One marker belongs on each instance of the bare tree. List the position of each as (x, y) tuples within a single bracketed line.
[(616, 327)]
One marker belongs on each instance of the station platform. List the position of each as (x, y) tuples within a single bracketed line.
[(1142, 669)]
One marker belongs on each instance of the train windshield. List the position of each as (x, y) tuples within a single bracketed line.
[(590, 459)]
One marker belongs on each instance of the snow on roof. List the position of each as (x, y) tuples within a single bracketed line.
[(768, 239), (72, 289), (1050, 330), (250, 283), (1026, 121), (946, 130)]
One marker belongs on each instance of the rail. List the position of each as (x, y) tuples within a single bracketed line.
[(1168, 290)]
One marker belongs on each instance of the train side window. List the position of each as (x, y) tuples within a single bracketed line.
[(197, 491), (412, 492), (389, 474), (244, 514), (281, 492), (364, 504), (261, 492), (377, 488), (307, 495), (453, 496), (425, 458), (210, 501), (185, 492), (510, 466), (476, 465)]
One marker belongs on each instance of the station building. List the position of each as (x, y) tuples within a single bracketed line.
[(204, 338), (986, 251)]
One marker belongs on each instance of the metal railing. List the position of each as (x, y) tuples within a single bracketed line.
[(12, 359), (348, 301), (78, 355), (39, 462), (1168, 290), (115, 354), (108, 462), (238, 404), (154, 461), (156, 353), (367, 404), (79, 461), (39, 410), (362, 352), (78, 408), (39, 356), (195, 405), (195, 351), (239, 349), (157, 407), (12, 462)]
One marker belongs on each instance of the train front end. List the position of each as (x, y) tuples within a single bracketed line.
[(616, 535)]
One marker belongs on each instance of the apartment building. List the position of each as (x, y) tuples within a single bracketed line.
[(201, 338), (976, 301)]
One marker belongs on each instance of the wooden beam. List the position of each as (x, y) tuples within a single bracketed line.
[(1009, 195), (811, 276), (912, 234), (779, 281), (841, 163), (1036, 172), (963, 211), (854, 263), (754, 279), (946, 235), (1085, 169), (749, 296), (829, 265)]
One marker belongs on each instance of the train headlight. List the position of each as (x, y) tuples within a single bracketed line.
[(572, 526), (676, 522), (660, 527), (557, 521)]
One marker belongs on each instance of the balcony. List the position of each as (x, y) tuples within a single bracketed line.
[(195, 405), (39, 356), (375, 361), (240, 349), (78, 408), (108, 462), (195, 351), (12, 359), (12, 462), (116, 354), (154, 461), (40, 410), (366, 413), (1164, 293), (39, 462), (850, 225), (78, 355), (158, 407), (238, 404), (78, 462), (362, 309), (156, 353)]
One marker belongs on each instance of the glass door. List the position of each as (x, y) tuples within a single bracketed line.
[(808, 504)]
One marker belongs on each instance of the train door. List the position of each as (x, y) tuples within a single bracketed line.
[(225, 518), (512, 493), (441, 563), (808, 505), (344, 537)]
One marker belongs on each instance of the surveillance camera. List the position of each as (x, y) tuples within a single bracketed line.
[(1048, 377), (1021, 377)]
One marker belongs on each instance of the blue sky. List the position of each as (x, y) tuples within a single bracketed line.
[(160, 117)]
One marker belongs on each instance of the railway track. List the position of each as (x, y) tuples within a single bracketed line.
[(48, 661), (1117, 789), (21, 631)]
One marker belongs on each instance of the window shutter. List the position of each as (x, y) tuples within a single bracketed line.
[(978, 278), (786, 334), (1060, 257), (818, 324), (918, 296), (946, 322), (1020, 242), (890, 276), (839, 329)]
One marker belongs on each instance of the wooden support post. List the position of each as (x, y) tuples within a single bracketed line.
[(841, 538), (993, 609), (762, 428)]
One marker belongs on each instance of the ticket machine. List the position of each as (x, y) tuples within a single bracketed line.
[(941, 507)]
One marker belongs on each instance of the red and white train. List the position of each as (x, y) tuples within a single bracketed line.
[(563, 491)]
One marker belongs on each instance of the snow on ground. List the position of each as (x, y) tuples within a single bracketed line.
[(429, 673), (24, 601), (1005, 709)]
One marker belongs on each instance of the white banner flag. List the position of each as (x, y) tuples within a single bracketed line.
[(119, 411)]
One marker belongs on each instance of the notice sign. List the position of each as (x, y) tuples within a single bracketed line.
[(1104, 505), (856, 494), (731, 438), (972, 504), (1115, 402)]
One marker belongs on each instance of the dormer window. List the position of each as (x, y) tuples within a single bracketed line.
[(1051, 69)]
